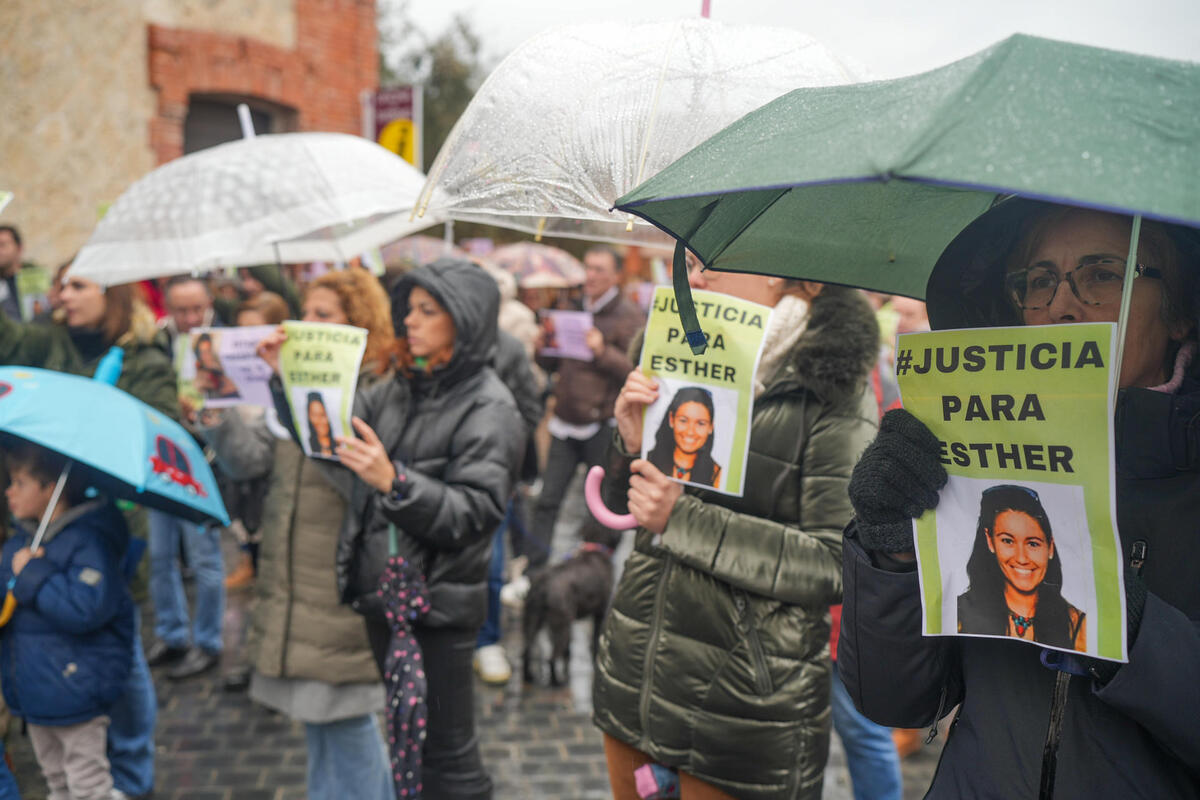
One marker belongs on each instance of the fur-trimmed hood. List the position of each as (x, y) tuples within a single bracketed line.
[(838, 349)]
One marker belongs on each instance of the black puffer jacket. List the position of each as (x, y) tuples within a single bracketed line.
[(1138, 736), (460, 438)]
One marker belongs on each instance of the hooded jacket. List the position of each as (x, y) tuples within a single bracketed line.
[(714, 657), (67, 651), (457, 436), (1138, 736)]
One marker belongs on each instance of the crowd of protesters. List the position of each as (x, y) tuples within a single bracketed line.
[(715, 671)]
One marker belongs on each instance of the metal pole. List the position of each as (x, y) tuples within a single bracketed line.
[(1126, 294), (49, 512), (243, 112)]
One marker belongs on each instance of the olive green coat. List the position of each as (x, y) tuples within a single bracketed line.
[(299, 628), (715, 655), (146, 372)]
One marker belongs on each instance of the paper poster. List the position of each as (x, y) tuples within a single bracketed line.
[(698, 431), (565, 334), (1023, 542), (218, 367), (318, 365)]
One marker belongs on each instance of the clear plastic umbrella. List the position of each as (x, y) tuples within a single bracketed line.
[(577, 116), (282, 197)]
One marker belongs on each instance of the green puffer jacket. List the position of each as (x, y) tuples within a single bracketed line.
[(715, 655)]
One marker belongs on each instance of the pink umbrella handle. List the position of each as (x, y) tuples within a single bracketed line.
[(591, 493)]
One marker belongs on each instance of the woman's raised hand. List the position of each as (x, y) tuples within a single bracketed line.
[(652, 496), (269, 346), (366, 457), (638, 392)]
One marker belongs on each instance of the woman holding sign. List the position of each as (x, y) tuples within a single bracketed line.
[(1035, 722), (714, 660), (310, 656), (684, 441), (439, 450)]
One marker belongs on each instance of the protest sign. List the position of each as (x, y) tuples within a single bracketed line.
[(565, 334), (318, 365), (1023, 542), (698, 431), (218, 367)]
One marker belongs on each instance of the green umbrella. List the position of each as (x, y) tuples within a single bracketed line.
[(866, 184)]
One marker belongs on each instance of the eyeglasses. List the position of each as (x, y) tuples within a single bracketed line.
[(1097, 281)]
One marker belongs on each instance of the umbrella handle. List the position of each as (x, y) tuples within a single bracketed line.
[(49, 512), (591, 493)]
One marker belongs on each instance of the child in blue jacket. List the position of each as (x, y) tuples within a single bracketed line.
[(66, 652)]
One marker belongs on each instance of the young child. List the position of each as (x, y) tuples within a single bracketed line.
[(66, 653)]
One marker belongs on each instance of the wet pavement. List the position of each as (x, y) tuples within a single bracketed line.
[(538, 743)]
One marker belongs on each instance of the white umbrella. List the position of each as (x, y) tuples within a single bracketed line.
[(282, 197), (578, 116)]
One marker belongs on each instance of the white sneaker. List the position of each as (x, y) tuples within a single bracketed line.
[(491, 664), (513, 593)]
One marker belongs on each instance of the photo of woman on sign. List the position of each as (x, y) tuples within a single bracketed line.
[(1016, 575), (210, 373), (320, 433), (684, 441)]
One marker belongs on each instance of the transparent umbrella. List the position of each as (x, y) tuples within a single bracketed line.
[(579, 115), (275, 198)]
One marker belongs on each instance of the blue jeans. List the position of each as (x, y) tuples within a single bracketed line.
[(131, 730), (870, 751), (203, 544), (490, 632), (347, 758)]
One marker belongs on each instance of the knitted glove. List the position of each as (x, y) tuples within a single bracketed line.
[(896, 480)]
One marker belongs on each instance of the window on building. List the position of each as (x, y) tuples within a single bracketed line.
[(213, 120)]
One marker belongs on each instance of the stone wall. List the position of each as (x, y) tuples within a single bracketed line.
[(76, 109), (269, 21), (95, 97)]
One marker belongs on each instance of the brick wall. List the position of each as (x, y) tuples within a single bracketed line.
[(334, 59)]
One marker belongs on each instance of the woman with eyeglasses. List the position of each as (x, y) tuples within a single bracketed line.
[(1015, 575), (1034, 722)]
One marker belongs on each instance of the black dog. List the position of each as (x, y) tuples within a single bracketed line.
[(577, 588)]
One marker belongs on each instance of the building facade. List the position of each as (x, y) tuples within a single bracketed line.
[(96, 96)]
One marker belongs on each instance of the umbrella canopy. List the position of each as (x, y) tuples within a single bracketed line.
[(418, 250), (581, 114), (318, 196), (866, 185), (126, 448), (539, 266)]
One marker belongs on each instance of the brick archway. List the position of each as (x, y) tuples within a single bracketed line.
[(335, 58)]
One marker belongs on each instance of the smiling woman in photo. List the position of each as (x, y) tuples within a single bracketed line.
[(1016, 575), (684, 441)]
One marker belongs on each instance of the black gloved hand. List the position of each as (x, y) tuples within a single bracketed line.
[(1135, 606), (897, 479)]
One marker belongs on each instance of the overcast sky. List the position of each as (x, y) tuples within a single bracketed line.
[(889, 37)]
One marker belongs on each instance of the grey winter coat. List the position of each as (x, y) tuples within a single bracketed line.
[(458, 438), (715, 655), (1138, 736)]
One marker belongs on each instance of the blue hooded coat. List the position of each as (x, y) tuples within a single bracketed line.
[(66, 653)]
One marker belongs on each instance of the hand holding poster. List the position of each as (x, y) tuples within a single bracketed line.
[(318, 365), (698, 431), (564, 334), (1023, 542), (218, 367)]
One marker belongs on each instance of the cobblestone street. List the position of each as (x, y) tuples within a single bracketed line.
[(538, 743)]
